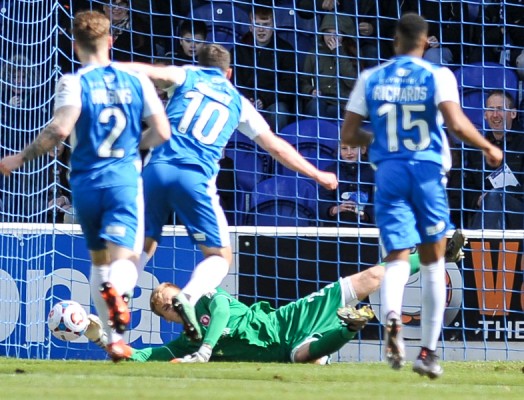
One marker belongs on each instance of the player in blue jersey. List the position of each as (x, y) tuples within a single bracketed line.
[(102, 107), (204, 110), (407, 100)]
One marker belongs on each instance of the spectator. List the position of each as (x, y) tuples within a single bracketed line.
[(500, 35), (330, 70), (192, 37), (264, 70), (21, 115), (375, 21), (365, 13), (352, 203), (444, 19), (131, 35), (499, 205)]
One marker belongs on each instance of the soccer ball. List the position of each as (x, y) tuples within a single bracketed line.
[(67, 320)]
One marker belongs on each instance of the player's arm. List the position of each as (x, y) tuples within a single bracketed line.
[(351, 133), (176, 348), (457, 122), (163, 76), (219, 309), (219, 312), (154, 115), (52, 135), (253, 125), (287, 155)]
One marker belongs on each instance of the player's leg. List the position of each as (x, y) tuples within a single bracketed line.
[(357, 287), (90, 218), (317, 348), (398, 235), (122, 228), (433, 221), (158, 178), (198, 207), (433, 282)]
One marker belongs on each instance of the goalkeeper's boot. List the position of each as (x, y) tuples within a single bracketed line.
[(95, 331), (119, 351), (395, 352), (427, 364), (355, 319), (119, 315), (187, 312), (454, 251)]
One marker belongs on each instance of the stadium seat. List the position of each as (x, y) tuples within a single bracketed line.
[(226, 23), (312, 127), (297, 31), (251, 163), (316, 139), (318, 151), (286, 17), (283, 201), (475, 81)]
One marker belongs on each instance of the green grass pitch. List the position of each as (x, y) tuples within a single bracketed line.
[(36, 379)]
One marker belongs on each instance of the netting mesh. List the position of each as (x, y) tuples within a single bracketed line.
[(292, 244)]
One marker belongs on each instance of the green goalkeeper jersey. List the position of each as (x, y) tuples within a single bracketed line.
[(257, 333)]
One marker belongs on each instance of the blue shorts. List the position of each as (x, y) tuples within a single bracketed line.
[(188, 192), (114, 214), (411, 204)]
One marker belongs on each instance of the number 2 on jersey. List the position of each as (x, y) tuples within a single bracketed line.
[(106, 148), (408, 123)]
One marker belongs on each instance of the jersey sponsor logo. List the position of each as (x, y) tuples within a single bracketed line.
[(116, 230), (199, 237), (205, 320), (402, 72), (436, 229)]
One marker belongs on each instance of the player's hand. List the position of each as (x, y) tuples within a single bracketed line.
[(10, 163), (328, 180), (201, 356), (493, 156)]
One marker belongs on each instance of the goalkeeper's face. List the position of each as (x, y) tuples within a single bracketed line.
[(164, 305)]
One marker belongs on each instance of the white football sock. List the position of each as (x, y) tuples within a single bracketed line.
[(206, 277), (433, 280), (349, 295), (123, 276), (99, 275), (392, 289), (143, 260)]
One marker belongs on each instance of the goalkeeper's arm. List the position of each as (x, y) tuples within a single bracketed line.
[(219, 312)]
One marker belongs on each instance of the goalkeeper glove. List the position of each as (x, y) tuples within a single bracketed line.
[(201, 356)]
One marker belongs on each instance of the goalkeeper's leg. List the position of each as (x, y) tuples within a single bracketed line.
[(358, 286)]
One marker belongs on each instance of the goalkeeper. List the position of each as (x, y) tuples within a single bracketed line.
[(307, 330)]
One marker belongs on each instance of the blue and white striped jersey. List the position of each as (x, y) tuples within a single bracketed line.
[(204, 110), (113, 102), (401, 99)]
